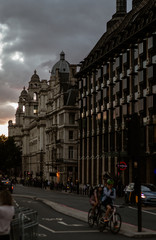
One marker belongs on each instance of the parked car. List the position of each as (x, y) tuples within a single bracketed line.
[(6, 184), (148, 194)]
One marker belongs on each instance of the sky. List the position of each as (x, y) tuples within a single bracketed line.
[(33, 33)]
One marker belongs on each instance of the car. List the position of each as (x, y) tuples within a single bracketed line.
[(148, 194), (6, 184)]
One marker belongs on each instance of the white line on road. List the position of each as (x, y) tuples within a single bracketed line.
[(42, 235), (71, 225), (52, 219), (77, 231), (50, 230), (144, 211)]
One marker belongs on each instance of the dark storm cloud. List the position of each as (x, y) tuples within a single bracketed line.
[(34, 32)]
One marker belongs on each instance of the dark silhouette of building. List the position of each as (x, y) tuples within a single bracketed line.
[(117, 81)]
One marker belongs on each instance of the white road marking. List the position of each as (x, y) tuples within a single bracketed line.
[(50, 230), (17, 205), (52, 219), (152, 213), (77, 231), (42, 235), (71, 225)]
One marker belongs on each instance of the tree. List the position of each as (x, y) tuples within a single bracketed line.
[(10, 156)]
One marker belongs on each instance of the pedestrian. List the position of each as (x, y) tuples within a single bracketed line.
[(7, 212)]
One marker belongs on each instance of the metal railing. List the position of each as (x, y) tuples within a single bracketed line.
[(25, 225)]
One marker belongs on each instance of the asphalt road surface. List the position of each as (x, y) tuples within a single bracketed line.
[(54, 225)]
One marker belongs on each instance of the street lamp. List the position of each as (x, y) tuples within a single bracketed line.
[(41, 164)]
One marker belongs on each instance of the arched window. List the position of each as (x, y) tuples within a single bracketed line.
[(35, 97), (23, 108)]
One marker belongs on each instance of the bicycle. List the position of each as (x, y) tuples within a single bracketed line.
[(113, 223), (94, 217)]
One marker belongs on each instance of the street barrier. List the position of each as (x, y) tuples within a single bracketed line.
[(25, 225)]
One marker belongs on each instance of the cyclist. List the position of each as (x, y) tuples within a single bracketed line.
[(99, 193), (109, 194), (95, 197)]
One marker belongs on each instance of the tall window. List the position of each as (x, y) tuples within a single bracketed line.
[(70, 152), (71, 118), (35, 109), (61, 119), (23, 108), (35, 97), (70, 134)]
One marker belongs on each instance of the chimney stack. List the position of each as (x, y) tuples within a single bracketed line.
[(121, 6), (121, 10)]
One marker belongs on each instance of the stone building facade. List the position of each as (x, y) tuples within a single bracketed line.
[(117, 98), (45, 125)]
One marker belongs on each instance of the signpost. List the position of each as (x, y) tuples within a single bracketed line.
[(122, 166)]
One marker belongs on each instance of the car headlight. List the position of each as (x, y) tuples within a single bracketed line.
[(143, 195)]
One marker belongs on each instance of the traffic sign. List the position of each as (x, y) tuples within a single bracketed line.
[(122, 166)]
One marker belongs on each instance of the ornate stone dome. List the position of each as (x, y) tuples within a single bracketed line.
[(35, 77), (24, 95), (24, 92), (62, 65)]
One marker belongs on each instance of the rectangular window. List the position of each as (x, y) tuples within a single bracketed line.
[(70, 152), (61, 119), (70, 134), (35, 109), (72, 118)]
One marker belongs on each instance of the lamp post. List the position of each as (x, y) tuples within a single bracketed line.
[(135, 151), (41, 164)]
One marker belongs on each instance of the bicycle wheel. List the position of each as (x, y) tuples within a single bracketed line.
[(115, 223), (90, 218), (100, 222)]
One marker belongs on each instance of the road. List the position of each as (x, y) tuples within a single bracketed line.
[(54, 223)]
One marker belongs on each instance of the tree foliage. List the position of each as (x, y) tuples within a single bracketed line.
[(10, 155)]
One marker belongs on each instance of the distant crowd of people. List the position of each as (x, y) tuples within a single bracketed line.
[(46, 184)]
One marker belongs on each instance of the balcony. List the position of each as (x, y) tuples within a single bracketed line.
[(109, 105), (151, 101), (151, 72)]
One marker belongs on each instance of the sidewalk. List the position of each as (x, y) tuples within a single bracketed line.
[(126, 229)]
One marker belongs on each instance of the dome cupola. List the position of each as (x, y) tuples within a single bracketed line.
[(35, 77), (24, 92), (62, 65)]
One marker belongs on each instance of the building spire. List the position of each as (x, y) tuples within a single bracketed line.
[(121, 6), (62, 56), (121, 10)]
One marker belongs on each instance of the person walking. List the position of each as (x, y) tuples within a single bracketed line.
[(7, 212)]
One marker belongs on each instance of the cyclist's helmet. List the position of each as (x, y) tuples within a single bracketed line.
[(110, 182)]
